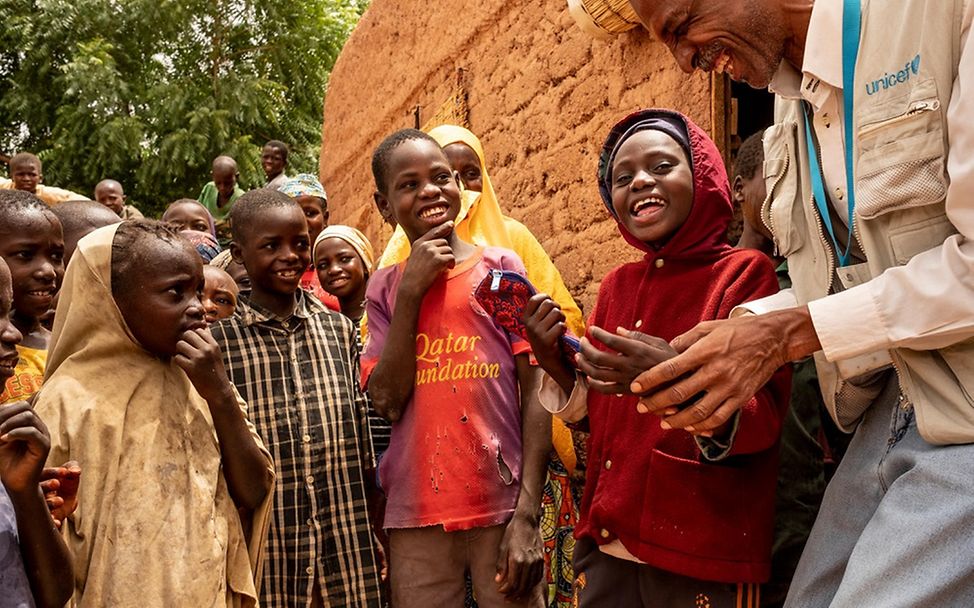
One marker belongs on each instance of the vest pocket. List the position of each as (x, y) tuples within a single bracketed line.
[(781, 179), (901, 174)]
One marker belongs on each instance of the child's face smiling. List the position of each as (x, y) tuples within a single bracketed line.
[(422, 189), (315, 213), (219, 294), (652, 186), (26, 176), (275, 251), (10, 336), (110, 194), (32, 245), (340, 269), (163, 301), (465, 162), (187, 216)]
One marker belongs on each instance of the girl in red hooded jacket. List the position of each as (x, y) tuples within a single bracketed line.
[(667, 518)]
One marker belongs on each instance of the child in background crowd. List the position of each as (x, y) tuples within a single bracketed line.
[(220, 294), (662, 520), (343, 259), (218, 196), (296, 364), (273, 159), (26, 176), (189, 214), (224, 261), (109, 193), (308, 192), (173, 537), (32, 244), (486, 224), (465, 467), (35, 567)]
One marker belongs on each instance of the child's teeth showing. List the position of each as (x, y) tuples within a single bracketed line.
[(645, 206), (432, 212)]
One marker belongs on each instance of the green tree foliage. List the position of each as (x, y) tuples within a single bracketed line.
[(150, 91)]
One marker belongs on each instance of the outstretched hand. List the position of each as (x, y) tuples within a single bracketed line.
[(631, 353), (728, 361), (24, 445)]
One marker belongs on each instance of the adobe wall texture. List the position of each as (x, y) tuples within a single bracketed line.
[(542, 96)]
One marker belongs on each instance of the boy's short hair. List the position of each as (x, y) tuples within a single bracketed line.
[(380, 158), (130, 242), (22, 158), (247, 209), (18, 201), (750, 157), (279, 145)]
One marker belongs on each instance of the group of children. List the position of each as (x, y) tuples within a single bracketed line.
[(264, 414)]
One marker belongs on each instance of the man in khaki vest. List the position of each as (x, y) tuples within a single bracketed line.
[(888, 312)]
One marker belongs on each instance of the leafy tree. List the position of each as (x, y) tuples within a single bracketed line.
[(150, 91)]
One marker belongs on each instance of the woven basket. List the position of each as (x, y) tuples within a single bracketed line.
[(603, 18)]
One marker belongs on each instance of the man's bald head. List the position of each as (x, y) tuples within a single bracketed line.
[(746, 38)]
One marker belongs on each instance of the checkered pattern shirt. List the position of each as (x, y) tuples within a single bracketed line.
[(299, 377)]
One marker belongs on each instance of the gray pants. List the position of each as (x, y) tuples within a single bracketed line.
[(896, 527)]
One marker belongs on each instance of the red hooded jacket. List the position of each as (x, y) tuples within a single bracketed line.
[(652, 489)]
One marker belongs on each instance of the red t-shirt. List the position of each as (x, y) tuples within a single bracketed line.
[(455, 455)]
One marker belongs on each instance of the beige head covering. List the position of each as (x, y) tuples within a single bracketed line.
[(155, 524), (603, 18), (222, 260), (352, 236)]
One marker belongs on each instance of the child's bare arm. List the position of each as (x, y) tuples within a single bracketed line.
[(249, 478), (24, 445), (520, 560), (394, 376)]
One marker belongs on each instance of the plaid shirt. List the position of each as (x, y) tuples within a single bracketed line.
[(299, 377)]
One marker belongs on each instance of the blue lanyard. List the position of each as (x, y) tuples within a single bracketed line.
[(851, 21)]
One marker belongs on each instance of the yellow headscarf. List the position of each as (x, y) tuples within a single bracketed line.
[(482, 222), (155, 524)]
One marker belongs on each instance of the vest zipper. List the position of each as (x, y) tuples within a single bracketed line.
[(770, 223), (918, 107)]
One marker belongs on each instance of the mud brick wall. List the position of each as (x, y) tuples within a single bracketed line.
[(541, 96)]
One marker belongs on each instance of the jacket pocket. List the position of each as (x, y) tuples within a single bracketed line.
[(782, 181), (712, 511)]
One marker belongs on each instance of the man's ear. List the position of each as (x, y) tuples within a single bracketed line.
[(737, 189)]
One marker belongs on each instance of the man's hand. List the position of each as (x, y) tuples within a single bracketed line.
[(199, 356), (429, 257), (520, 560), (24, 445), (60, 487), (729, 361), (613, 372)]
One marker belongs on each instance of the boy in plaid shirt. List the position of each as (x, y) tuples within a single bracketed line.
[(295, 363)]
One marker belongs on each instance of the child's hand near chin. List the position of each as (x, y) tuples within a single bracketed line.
[(199, 356), (632, 353), (24, 445), (430, 255)]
